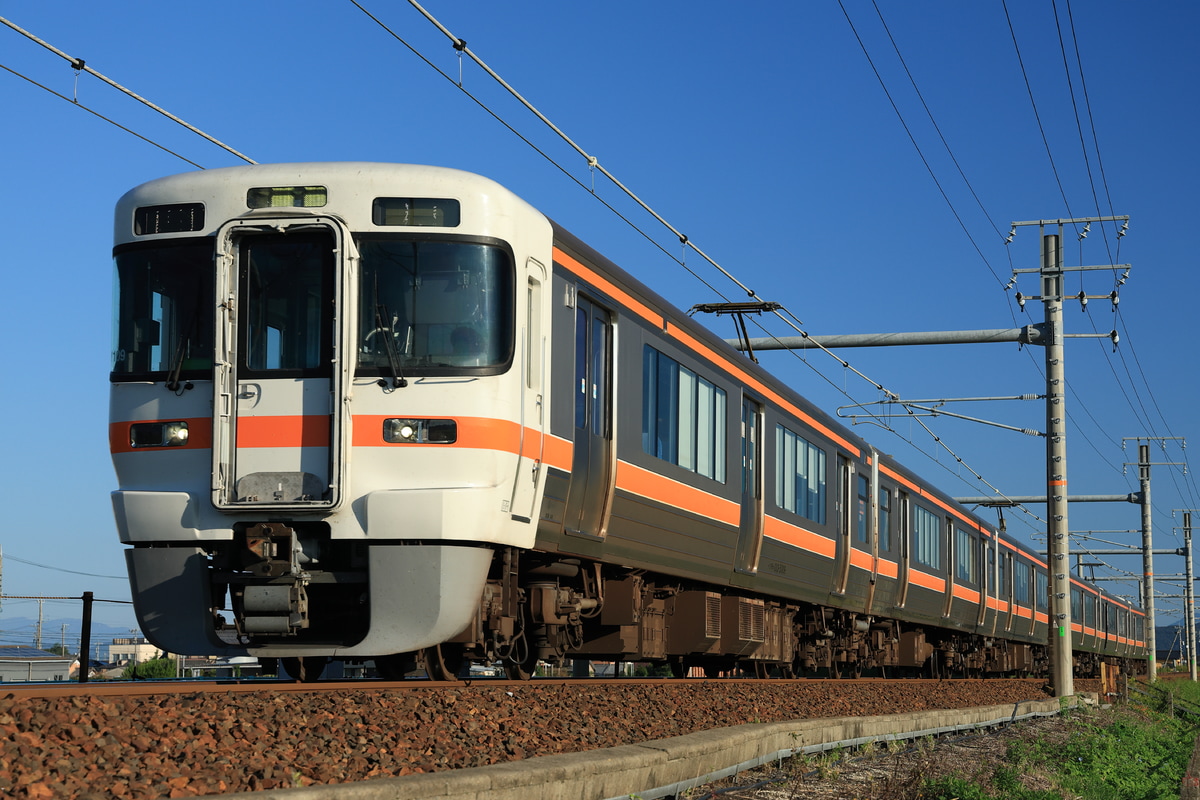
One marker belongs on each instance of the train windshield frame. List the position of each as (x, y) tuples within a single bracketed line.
[(434, 305), (163, 320)]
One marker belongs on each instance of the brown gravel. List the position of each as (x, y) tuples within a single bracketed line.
[(182, 745)]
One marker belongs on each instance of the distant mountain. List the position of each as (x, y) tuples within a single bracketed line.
[(23, 631)]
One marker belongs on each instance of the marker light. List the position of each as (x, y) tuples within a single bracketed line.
[(420, 431), (158, 434)]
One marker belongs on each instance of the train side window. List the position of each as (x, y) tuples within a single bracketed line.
[(863, 510), (533, 336), (581, 367), (885, 520), (991, 563), (1021, 589), (927, 538), (683, 416), (1042, 594), (966, 557), (1076, 605), (799, 475)]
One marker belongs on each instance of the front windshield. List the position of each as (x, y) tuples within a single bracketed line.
[(432, 307), (163, 317)]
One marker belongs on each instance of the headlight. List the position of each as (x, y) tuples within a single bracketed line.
[(420, 431), (158, 434)]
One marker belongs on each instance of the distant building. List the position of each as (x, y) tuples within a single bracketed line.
[(132, 650), (20, 664)]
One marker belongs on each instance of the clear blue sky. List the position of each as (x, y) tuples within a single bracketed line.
[(761, 131)]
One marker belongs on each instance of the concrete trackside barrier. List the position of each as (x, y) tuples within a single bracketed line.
[(670, 766)]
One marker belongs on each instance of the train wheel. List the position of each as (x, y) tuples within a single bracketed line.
[(306, 669), (521, 671), (835, 667), (678, 669), (443, 662)]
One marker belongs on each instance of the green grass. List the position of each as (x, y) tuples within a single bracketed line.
[(1138, 751)]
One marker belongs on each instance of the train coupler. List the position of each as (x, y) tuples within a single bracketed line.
[(275, 600), (280, 609)]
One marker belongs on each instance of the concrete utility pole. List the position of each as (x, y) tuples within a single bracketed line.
[(1144, 464), (1148, 562), (1190, 593), (1061, 652)]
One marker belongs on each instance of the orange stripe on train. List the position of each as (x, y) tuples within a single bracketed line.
[(632, 478), (799, 537)]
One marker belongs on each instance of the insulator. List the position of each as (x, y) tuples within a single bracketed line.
[(1082, 300), (1021, 300)]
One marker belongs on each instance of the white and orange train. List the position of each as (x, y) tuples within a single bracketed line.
[(394, 412)]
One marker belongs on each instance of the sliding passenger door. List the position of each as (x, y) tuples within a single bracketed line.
[(589, 495), (750, 528), (845, 506)]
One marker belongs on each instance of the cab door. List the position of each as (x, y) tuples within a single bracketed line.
[(280, 418)]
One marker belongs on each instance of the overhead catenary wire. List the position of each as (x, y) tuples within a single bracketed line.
[(593, 163), (950, 152), (110, 121), (461, 48), (80, 65)]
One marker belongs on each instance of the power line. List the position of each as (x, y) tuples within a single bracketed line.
[(913, 140), (1033, 104), (61, 569)]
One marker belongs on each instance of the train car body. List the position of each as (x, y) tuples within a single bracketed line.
[(388, 411)]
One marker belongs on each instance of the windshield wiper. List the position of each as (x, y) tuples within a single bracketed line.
[(383, 323), (177, 366)]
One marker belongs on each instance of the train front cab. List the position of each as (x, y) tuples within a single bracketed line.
[(313, 457)]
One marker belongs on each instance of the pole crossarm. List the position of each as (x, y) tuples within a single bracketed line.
[(1072, 221), (1132, 551), (1013, 500), (1030, 334)]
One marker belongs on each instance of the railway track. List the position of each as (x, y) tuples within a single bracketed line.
[(135, 740), (158, 687)]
